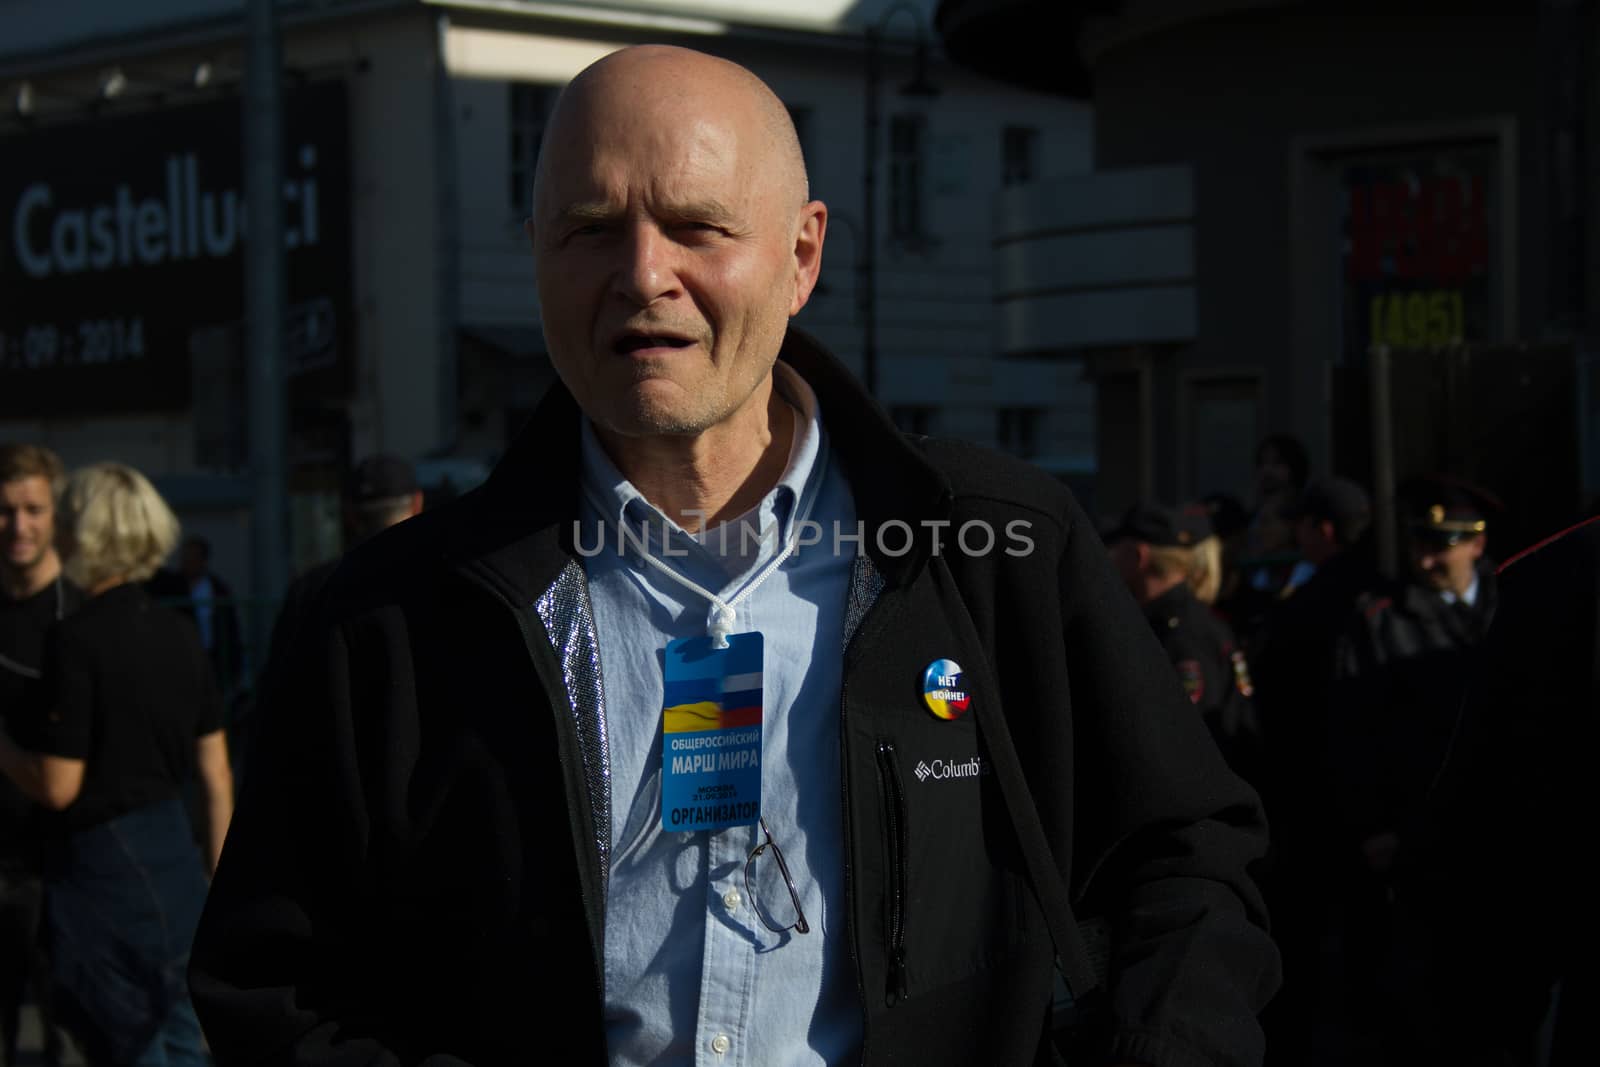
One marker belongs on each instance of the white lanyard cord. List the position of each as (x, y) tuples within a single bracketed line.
[(720, 619)]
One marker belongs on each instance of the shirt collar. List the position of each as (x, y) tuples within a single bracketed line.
[(616, 499), (1469, 598)]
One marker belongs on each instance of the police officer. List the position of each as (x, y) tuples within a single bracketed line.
[(1170, 561), (1499, 879), (1401, 675)]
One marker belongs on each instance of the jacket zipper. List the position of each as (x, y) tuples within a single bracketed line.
[(596, 937), (894, 807), (849, 872)]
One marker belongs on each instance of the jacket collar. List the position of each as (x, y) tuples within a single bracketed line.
[(516, 529)]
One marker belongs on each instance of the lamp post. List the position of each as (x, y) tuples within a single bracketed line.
[(919, 85), (264, 310)]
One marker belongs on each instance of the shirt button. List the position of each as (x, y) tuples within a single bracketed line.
[(730, 900), (720, 1044)]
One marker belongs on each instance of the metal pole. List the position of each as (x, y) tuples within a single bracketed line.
[(264, 311), (869, 224), (1383, 504)]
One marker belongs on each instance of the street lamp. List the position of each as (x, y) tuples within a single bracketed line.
[(919, 85)]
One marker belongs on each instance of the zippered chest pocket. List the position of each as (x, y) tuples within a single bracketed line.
[(952, 887)]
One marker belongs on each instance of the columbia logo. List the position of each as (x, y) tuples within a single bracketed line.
[(938, 769)]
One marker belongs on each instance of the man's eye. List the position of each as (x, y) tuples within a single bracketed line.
[(698, 231)]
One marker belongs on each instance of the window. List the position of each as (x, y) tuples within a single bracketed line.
[(530, 108), (1019, 149), (912, 418), (1017, 430), (907, 137)]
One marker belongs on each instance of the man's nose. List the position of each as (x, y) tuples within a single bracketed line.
[(646, 270)]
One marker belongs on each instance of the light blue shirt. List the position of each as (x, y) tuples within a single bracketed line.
[(692, 976), (202, 593), (1469, 598)]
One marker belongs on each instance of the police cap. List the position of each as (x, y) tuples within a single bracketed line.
[(1446, 510), (1167, 527), (380, 478)]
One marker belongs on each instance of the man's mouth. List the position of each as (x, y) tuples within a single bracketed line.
[(632, 342)]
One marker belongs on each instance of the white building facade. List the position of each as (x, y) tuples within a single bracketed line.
[(411, 128)]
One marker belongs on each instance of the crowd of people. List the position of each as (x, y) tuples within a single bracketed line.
[(116, 783), (728, 792), (1335, 689)]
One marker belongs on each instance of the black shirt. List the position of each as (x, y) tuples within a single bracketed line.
[(126, 688), (22, 627)]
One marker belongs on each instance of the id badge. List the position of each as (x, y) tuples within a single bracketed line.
[(711, 734)]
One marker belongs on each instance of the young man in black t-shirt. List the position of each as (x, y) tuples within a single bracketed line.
[(33, 594)]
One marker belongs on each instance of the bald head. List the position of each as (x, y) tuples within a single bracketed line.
[(673, 240), (682, 87)]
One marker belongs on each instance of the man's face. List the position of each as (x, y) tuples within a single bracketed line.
[(1444, 567), (667, 261), (1314, 537), (1272, 473), (27, 522)]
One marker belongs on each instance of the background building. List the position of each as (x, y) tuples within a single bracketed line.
[(1280, 187), (411, 132)]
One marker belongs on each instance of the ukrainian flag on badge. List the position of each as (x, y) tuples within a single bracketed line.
[(711, 734)]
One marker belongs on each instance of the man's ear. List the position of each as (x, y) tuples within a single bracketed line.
[(1328, 532), (1141, 554), (1479, 543), (808, 252)]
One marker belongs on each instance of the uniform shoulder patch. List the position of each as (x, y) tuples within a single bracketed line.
[(1377, 605), (1241, 674), (1193, 679)]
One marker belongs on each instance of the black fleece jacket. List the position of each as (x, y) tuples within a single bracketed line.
[(412, 875)]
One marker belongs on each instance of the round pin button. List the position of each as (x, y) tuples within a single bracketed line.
[(720, 1044), (944, 691)]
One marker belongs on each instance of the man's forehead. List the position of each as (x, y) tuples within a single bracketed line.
[(667, 140), (694, 166), (29, 485)]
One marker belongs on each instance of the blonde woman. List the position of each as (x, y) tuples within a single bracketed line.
[(126, 712), (1172, 564)]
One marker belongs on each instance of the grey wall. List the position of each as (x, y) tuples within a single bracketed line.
[(1229, 95)]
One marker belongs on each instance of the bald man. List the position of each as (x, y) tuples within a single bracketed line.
[(725, 724)]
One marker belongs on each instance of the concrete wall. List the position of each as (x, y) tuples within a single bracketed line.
[(1243, 99)]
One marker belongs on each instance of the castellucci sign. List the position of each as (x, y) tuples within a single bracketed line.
[(124, 248)]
